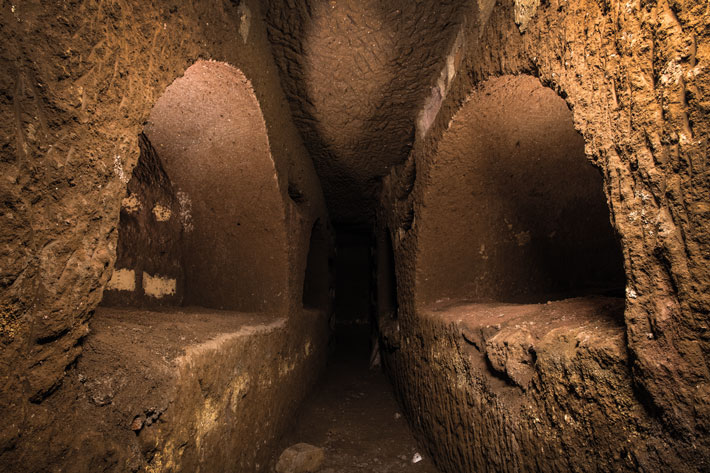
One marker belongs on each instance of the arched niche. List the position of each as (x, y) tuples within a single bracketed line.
[(387, 300), (209, 132), (512, 210), (318, 275)]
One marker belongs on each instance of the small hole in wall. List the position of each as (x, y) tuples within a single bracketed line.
[(295, 193)]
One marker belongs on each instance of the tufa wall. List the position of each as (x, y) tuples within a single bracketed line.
[(572, 385), (76, 98)]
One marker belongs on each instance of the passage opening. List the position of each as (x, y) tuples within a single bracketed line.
[(353, 274), (514, 211)]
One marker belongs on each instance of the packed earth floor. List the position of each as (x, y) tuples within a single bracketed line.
[(352, 414)]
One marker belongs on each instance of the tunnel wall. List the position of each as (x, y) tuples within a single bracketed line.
[(634, 78), (77, 95)]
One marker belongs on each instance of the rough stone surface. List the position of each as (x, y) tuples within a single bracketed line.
[(79, 80), (356, 74), (177, 389), (504, 387), (300, 458), (635, 77)]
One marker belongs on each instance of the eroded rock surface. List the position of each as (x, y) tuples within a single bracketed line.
[(634, 76)]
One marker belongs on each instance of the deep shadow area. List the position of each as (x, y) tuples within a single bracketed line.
[(353, 415), (353, 272)]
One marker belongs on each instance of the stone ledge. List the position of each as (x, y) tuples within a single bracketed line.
[(529, 387), (181, 389), (511, 337)]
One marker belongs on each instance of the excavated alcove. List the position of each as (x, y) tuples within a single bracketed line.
[(208, 130), (511, 351), (202, 223), (514, 211), (385, 278), (318, 280)]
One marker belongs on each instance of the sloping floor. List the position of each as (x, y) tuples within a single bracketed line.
[(353, 415)]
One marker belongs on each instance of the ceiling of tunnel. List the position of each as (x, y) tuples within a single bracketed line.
[(356, 73)]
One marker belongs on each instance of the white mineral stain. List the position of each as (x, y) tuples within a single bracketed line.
[(185, 211), (245, 24)]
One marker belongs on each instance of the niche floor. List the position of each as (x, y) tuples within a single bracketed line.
[(352, 414)]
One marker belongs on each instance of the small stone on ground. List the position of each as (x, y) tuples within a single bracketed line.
[(300, 458)]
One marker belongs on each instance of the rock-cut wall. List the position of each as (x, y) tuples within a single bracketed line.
[(79, 80), (521, 397)]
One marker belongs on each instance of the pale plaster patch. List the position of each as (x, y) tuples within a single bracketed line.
[(162, 214), (207, 420), (131, 204), (123, 280), (239, 388), (158, 287)]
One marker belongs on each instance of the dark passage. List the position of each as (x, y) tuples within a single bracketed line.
[(352, 414)]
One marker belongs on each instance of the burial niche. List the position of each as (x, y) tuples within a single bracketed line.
[(206, 179), (514, 211)]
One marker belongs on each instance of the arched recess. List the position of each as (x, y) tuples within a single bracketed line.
[(209, 135), (318, 276), (513, 211), (387, 300)]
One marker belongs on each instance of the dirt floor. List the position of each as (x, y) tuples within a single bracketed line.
[(352, 414)]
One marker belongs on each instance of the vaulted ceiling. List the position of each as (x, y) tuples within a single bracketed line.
[(356, 73)]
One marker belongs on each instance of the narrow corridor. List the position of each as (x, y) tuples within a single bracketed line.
[(352, 414)]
